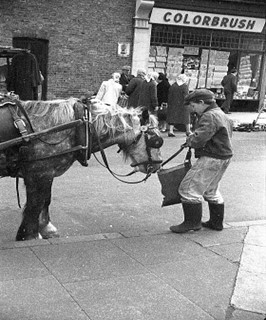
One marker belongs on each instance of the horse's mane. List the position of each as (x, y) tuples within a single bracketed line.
[(105, 118), (113, 119), (43, 114)]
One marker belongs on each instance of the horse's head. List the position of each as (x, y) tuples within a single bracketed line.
[(144, 151)]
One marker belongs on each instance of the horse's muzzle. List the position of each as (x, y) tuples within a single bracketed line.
[(147, 167)]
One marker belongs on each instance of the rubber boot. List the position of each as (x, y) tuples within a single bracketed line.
[(192, 221), (216, 217)]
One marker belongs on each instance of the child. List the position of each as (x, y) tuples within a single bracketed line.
[(212, 143)]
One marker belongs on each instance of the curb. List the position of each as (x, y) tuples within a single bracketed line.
[(110, 236)]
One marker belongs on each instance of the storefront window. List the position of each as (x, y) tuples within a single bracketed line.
[(206, 56), (248, 76)]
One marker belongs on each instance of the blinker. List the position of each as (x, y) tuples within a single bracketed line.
[(155, 142)]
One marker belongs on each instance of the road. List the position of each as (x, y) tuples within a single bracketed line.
[(90, 201)]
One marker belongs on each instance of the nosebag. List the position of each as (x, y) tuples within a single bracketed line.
[(171, 178)]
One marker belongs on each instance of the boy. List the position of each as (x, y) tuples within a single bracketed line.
[(212, 143)]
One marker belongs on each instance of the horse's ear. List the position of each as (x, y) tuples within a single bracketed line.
[(84, 99), (145, 117)]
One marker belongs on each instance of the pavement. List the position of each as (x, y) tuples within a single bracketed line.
[(137, 274)]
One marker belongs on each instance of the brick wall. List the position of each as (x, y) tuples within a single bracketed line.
[(83, 37)]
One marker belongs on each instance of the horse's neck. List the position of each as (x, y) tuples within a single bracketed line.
[(107, 141)]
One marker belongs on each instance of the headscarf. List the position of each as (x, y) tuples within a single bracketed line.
[(116, 76), (181, 79), (152, 76)]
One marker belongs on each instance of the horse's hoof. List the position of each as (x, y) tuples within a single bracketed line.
[(49, 235), (28, 237), (49, 231)]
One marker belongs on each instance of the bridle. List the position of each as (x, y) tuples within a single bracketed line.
[(152, 141)]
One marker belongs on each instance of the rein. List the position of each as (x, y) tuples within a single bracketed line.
[(188, 156), (106, 165)]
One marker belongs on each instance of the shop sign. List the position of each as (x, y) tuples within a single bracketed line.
[(123, 49), (206, 20)]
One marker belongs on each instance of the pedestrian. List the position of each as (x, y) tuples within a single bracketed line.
[(148, 93), (125, 77), (213, 150), (229, 83), (24, 76), (176, 112), (162, 95), (110, 90), (133, 88)]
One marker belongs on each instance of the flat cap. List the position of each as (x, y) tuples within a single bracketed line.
[(126, 68), (199, 94)]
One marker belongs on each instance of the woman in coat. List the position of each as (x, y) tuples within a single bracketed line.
[(110, 90), (176, 114)]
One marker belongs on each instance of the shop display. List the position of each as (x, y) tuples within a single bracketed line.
[(206, 68), (248, 76), (191, 70), (219, 59), (174, 63)]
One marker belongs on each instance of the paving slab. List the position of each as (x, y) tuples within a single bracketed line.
[(160, 248), (208, 238), (250, 289), (136, 297), (78, 261), (207, 281), (20, 263), (42, 299), (231, 251)]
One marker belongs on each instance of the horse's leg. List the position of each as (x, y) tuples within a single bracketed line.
[(37, 191), (46, 228)]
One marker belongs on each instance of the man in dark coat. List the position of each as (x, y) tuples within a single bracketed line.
[(24, 76), (148, 93), (162, 95), (230, 87), (133, 88), (125, 77)]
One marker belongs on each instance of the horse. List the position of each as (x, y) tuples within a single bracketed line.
[(38, 158)]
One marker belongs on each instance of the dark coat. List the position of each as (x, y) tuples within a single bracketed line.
[(124, 80), (133, 91), (24, 76), (212, 135), (148, 95), (162, 91), (176, 112), (229, 83)]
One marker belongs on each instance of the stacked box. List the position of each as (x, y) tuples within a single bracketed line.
[(245, 72), (193, 78), (174, 63), (160, 64), (191, 69), (157, 59), (203, 68), (152, 59), (221, 67)]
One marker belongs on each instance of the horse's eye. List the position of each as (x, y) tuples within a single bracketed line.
[(143, 128)]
